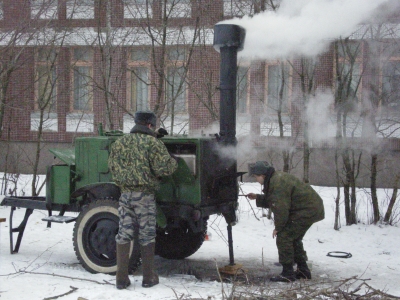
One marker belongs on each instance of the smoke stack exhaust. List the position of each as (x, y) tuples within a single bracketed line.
[(228, 40)]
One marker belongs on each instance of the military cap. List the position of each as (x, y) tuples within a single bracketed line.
[(145, 117), (259, 168)]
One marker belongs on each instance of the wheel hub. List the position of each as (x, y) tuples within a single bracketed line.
[(102, 239)]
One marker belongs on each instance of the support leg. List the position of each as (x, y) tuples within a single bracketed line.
[(20, 229), (232, 268)]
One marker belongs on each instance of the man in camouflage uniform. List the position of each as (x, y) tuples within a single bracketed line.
[(296, 206), (137, 161)]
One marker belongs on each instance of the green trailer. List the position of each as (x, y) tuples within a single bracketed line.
[(205, 183), (81, 182)]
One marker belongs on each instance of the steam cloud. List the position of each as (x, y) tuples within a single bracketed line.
[(318, 116), (302, 27)]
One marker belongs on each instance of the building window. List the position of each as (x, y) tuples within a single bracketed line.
[(238, 8), (138, 9), (140, 56), (177, 8), (348, 72), (139, 89), (242, 90), (176, 90), (175, 81), (45, 113), (46, 88), (176, 55), (44, 9), (82, 80), (391, 85), (81, 118), (278, 88), (351, 74), (138, 78), (80, 9)]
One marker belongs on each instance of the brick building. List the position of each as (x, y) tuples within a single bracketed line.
[(69, 65)]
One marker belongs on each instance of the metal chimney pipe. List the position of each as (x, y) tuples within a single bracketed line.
[(228, 40)]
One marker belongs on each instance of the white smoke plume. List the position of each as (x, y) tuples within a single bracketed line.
[(321, 127), (302, 27)]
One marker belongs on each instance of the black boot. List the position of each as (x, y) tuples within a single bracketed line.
[(303, 272), (122, 280), (150, 277), (287, 274)]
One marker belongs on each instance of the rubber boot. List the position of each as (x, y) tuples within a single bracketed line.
[(150, 277), (303, 272), (122, 280), (287, 274)]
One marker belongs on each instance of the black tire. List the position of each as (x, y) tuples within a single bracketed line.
[(94, 238), (178, 243)]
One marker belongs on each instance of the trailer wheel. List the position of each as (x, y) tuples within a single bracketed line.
[(178, 243), (94, 238)]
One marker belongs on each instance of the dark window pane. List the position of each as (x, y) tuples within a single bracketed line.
[(176, 53), (46, 87), (82, 91), (278, 87), (391, 85), (176, 90), (83, 54), (139, 89), (140, 55)]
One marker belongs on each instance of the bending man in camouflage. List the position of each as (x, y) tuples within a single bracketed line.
[(296, 206), (137, 161)]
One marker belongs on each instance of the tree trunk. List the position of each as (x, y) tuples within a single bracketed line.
[(353, 211), (374, 196), (306, 149), (347, 214), (286, 161), (392, 202), (285, 153), (336, 225)]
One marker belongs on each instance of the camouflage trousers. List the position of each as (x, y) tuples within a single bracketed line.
[(290, 243), (137, 212)]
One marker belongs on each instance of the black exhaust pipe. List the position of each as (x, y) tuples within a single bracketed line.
[(228, 40)]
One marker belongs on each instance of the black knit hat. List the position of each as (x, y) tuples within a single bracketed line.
[(260, 168), (145, 117)]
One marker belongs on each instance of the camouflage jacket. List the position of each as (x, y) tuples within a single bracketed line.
[(291, 200), (137, 161)]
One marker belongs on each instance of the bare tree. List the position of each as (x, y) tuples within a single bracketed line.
[(304, 69), (347, 83), (381, 117), (14, 56)]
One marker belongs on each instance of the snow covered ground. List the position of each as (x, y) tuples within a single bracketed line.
[(46, 265)]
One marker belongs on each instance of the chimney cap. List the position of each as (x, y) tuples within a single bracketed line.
[(229, 35)]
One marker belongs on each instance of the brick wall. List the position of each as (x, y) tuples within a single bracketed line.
[(203, 79)]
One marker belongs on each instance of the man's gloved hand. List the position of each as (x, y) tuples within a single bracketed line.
[(160, 132), (252, 196)]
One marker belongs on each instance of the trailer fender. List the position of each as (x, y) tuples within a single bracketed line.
[(100, 190), (110, 190)]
